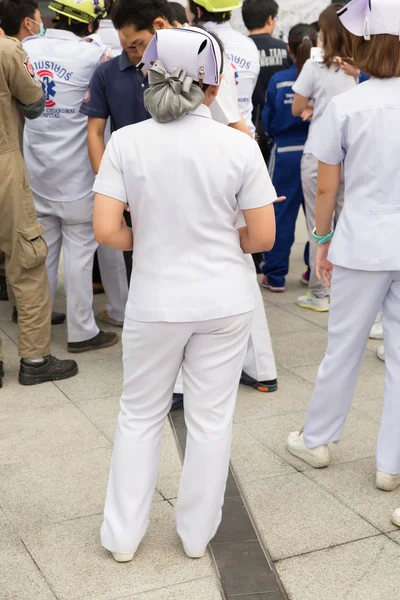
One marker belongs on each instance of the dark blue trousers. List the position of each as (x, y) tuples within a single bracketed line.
[(284, 169)]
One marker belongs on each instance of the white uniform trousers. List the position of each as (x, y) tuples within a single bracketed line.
[(356, 298), (114, 279), (309, 177), (69, 225), (211, 354), (260, 361)]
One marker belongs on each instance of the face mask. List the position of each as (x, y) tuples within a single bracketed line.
[(42, 30)]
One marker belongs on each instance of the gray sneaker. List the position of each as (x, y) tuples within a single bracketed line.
[(104, 339), (313, 303)]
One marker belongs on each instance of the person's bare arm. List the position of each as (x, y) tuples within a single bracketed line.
[(109, 225), (300, 104), (241, 126), (96, 145), (259, 233), (327, 189)]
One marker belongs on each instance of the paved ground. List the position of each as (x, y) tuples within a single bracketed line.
[(328, 532)]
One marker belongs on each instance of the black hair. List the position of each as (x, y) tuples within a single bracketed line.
[(215, 17), (302, 38), (13, 12), (179, 12), (141, 13), (257, 12), (77, 27)]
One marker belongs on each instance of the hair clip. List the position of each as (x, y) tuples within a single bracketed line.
[(305, 38), (201, 77), (367, 35)]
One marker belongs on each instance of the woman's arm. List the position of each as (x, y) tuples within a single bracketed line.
[(109, 225), (259, 233), (327, 189), (300, 103)]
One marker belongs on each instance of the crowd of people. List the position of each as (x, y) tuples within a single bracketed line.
[(165, 155)]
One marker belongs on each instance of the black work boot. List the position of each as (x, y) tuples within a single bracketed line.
[(56, 317), (1, 373), (50, 369), (104, 339)]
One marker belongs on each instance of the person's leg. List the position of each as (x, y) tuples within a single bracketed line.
[(79, 247), (319, 293), (211, 371), (287, 180), (113, 275), (145, 403), (388, 448), (49, 214), (355, 299), (259, 362)]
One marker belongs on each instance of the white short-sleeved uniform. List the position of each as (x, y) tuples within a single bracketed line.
[(355, 128), (225, 108), (320, 83), (55, 144), (188, 264), (109, 35), (244, 59)]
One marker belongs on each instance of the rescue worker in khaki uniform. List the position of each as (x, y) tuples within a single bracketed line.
[(20, 233)]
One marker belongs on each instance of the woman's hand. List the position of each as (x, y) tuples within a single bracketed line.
[(307, 114), (350, 69), (323, 265)]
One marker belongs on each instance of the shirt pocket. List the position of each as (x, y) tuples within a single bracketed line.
[(385, 209), (32, 246)]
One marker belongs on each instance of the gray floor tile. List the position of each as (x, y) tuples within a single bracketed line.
[(103, 413), (97, 379), (236, 525), (305, 315), (11, 360), (51, 430), (294, 516), (78, 568), (243, 568), (363, 570), (275, 595), (354, 484), (297, 349), (199, 589), (252, 460), (59, 348), (282, 322), (293, 394), (16, 399)]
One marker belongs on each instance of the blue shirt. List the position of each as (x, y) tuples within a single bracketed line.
[(116, 91), (277, 118)]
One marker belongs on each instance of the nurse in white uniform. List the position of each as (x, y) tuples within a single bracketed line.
[(363, 263), (184, 177)]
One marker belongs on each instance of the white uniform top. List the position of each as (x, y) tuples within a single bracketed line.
[(244, 58), (109, 36), (361, 127), (320, 83), (188, 264), (225, 108), (55, 144)]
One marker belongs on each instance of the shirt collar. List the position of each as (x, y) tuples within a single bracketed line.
[(61, 34), (124, 62), (202, 111)]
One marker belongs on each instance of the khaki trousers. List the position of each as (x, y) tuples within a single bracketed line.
[(25, 253)]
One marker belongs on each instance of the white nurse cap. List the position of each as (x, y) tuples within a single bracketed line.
[(371, 17), (191, 49)]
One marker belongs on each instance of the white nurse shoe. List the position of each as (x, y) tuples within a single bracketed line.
[(396, 517), (377, 329), (122, 558), (387, 482), (381, 353), (316, 457)]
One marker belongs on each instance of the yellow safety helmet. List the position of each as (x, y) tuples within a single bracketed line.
[(84, 11), (216, 6)]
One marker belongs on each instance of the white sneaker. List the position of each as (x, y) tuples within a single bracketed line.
[(381, 353), (313, 303), (123, 558), (387, 482), (377, 329), (396, 517), (316, 457)]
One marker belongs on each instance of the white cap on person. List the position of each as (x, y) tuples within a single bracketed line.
[(371, 17), (192, 50)]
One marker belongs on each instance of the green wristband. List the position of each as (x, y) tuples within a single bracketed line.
[(322, 239)]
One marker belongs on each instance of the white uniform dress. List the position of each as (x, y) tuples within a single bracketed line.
[(189, 304), (358, 128), (60, 174), (244, 58), (319, 83)]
